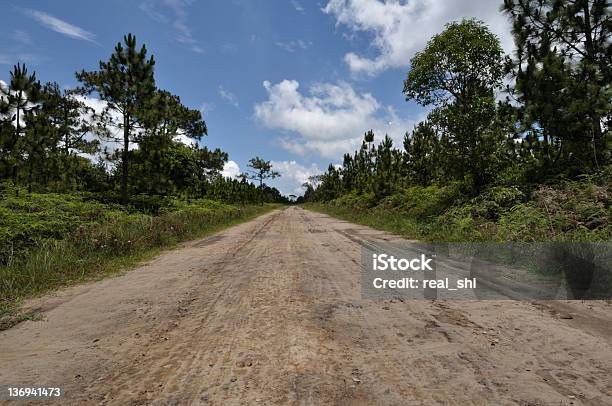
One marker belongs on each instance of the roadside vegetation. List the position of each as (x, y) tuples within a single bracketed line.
[(95, 178), (52, 240), (576, 210), (515, 148)]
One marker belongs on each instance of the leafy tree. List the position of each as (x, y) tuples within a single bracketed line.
[(126, 84), (260, 171), (463, 62), (457, 73), (563, 72)]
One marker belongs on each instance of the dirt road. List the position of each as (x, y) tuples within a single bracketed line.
[(270, 312)]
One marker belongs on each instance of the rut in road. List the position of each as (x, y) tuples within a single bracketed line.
[(270, 312)]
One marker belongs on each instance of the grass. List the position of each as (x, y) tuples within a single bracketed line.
[(569, 211), (50, 241), (545, 226)]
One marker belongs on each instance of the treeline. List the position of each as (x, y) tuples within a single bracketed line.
[(52, 139), (552, 124)]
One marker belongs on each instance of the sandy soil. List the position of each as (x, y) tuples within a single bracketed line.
[(270, 312)]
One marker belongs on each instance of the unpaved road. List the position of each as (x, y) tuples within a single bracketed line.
[(269, 312)]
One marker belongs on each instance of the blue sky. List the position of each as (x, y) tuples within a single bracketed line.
[(296, 82)]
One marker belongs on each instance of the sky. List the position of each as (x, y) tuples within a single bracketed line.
[(295, 82)]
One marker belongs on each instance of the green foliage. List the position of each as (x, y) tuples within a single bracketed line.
[(424, 202), (30, 218), (567, 211), (563, 80), (260, 171), (77, 219), (463, 62), (126, 84), (17, 101), (534, 169), (458, 72), (50, 240), (422, 154), (576, 210), (45, 133)]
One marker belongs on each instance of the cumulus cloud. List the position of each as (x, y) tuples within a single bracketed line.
[(401, 28), (293, 175), (60, 26), (330, 120), (231, 170)]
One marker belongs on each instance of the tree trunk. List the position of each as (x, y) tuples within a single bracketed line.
[(125, 158), (592, 59), (261, 196), (15, 167), (30, 177)]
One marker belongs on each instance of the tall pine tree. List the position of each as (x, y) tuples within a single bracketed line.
[(563, 71), (126, 83)]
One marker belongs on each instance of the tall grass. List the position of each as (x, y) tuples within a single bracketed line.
[(94, 250), (569, 211)]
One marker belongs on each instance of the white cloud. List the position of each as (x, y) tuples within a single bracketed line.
[(174, 13), (23, 37), (402, 28), (198, 49), (293, 175), (297, 6), (292, 46), (60, 26), (229, 48), (228, 96), (206, 108), (27, 58), (231, 170), (330, 121)]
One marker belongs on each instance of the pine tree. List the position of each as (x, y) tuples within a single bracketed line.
[(563, 71), (421, 150), (126, 84), (260, 171), (18, 99)]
